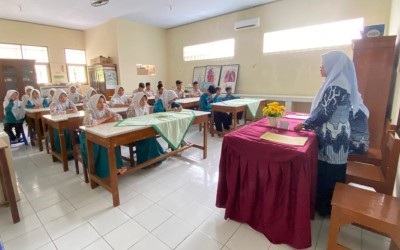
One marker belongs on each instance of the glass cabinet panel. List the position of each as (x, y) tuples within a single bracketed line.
[(28, 75), (10, 77)]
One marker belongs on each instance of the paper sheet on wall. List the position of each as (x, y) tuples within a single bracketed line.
[(285, 139)]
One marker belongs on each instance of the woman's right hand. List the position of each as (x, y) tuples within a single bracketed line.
[(299, 127)]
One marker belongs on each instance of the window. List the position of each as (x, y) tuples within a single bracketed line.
[(213, 50), (10, 51), (35, 53), (76, 65), (312, 37), (74, 56), (17, 51)]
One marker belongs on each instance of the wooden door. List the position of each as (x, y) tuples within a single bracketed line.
[(374, 62)]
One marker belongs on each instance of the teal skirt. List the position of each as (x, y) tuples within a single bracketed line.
[(148, 149), (68, 141), (100, 154)]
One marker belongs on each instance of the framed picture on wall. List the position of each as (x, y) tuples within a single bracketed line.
[(229, 76), (199, 74), (213, 73)]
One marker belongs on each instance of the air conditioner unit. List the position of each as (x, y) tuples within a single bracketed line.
[(247, 24)]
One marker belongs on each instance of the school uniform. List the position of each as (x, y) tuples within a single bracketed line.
[(100, 153)]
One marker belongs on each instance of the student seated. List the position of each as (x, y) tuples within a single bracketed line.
[(12, 108), (230, 96), (98, 113), (139, 89), (179, 91), (196, 91), (51, 94), (25, 98), (62, 105), (149, 148), (74, 96), (36, 101), (167, 102), (160, 91), (220, 118), (148, 91), (89, 93), (119, 99)]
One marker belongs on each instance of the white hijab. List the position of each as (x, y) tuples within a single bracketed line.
[(167, 96), (28, 87), (119, 99), (89, 93), (340, 72), (92, 106), (140, 111), (7, 100), (56, 99), (37, 101)]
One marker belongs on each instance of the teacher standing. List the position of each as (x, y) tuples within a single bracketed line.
[(330, 120)]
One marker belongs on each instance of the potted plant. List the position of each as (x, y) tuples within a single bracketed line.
[(273, 111)]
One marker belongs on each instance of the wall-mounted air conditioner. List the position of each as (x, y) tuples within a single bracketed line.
[(247, 24)]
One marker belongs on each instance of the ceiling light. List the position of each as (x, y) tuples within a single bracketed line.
[(97, 3)]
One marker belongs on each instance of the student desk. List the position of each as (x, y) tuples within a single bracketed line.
[(33, 118), (70, 121), (7, 182), (121, 111), (151, 100), (189, 102), (269, 185), (234, 109), (110, 137), (79, 106)]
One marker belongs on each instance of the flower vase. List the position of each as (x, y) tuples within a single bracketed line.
[(273, 121)]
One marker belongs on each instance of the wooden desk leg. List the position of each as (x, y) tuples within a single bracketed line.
[(113, 176), (9, 190), (52, 145), (205, 140), (46, 141), (38, 134), (234, 113), (63, 150), (212, 123), (30, 130), (90, 156), (334, 229)]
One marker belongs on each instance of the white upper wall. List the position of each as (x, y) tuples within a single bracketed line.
[(295, 73)]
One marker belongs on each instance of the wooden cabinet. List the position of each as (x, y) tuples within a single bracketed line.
[(374, 62), (15, 74), (103, 78)]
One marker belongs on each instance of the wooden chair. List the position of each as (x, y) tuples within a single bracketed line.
[(382, 177), (371, 210), (374, 155)]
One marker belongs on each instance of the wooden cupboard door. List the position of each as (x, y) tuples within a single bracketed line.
[(374, 61)]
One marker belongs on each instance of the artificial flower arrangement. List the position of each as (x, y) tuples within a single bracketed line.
[(273, 109)]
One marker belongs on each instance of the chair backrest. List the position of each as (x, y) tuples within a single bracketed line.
[(390, 158)]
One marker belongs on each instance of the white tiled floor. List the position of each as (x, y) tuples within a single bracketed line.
[(168, 207)]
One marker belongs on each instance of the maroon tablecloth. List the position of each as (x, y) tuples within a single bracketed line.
[(268, 185)]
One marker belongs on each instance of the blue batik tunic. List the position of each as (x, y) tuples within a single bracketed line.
[(330, 120)]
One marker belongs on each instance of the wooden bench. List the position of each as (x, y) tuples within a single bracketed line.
[(380, 177), (375, 211)]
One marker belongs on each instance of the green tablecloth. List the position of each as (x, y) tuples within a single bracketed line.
[(252, 104), (172, 126)]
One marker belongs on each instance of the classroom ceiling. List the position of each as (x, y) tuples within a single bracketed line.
[(79, 14)]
